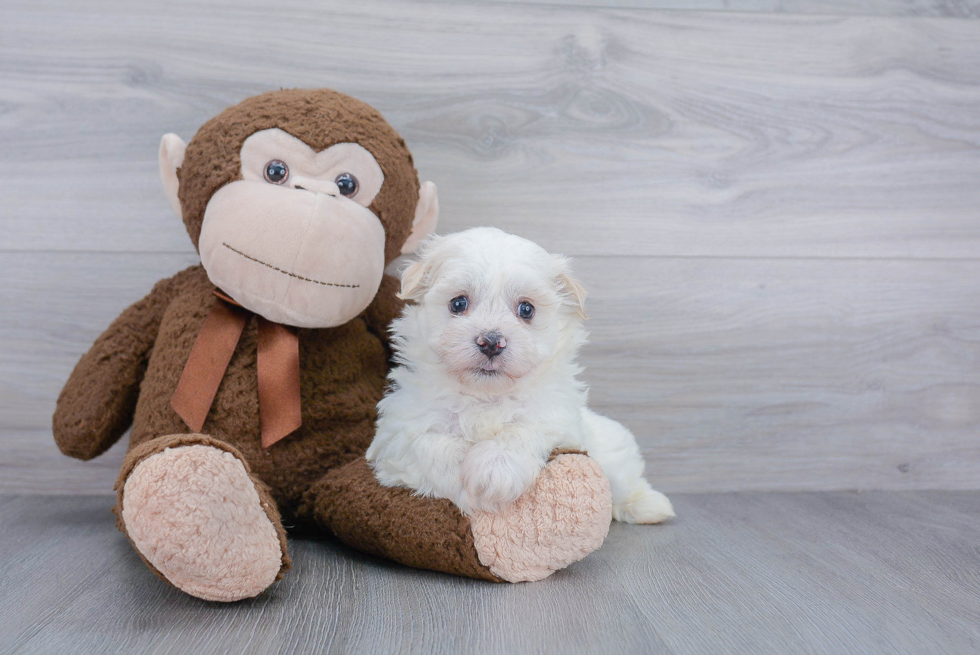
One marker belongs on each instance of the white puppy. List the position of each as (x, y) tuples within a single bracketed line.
[(486, 386)]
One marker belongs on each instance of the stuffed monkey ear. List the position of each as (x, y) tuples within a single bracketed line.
[(426, 218), (572, 292), (171, 157), (417, 276)]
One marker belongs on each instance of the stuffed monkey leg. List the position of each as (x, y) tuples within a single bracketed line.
[(199, 519), (562, 518)]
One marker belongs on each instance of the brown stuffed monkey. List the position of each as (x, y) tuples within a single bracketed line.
[(250, 381)]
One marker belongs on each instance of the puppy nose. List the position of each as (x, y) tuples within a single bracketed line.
[(491, 344)]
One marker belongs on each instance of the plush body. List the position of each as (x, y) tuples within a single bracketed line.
[(343, 373), (204, 506), (474, 423)]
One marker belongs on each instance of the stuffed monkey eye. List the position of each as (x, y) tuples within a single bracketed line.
[(458, 304), (525, 310), (347, 184), (276, 172)]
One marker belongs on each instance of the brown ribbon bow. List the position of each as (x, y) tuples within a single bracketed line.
[(278, 370)]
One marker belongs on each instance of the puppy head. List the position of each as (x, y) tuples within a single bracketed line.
[(493, 308)]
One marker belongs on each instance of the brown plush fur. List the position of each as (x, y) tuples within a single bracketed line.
[(427, 533), (431, 533), (129, 375)]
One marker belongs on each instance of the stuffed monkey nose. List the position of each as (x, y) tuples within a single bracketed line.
[(314, 185), (491, 344)]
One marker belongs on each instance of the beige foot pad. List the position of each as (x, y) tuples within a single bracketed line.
[(195, 515), (561, 519)]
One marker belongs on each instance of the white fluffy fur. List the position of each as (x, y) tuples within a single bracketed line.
[(477, 431)]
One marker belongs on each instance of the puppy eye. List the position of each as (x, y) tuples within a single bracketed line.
[(347, 184), (458, 304), (525, 310), (276, 172)]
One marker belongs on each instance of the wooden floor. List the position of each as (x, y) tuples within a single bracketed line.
[(877, 572)]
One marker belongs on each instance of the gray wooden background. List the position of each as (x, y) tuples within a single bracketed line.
[(775, 205)]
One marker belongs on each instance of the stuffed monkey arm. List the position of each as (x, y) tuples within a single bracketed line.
[(97, 403)]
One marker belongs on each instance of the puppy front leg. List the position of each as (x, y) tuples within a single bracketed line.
[(495, 472), (429, 465)]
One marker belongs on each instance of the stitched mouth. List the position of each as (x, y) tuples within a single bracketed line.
[(279, 270)]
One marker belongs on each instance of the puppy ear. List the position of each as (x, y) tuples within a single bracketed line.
[(417, 276), (571, 291), (413, 286)]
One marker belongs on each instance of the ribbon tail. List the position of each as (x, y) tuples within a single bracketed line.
[(279, 388), (207, 363)]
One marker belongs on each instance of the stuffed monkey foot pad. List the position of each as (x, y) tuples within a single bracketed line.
[(561, 519), (195, 515)]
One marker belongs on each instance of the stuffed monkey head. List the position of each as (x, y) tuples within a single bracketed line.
[(296, 201)]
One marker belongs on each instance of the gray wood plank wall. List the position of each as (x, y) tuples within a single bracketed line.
[(935, 8), (775, 207)]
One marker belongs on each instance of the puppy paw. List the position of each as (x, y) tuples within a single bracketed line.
[(643, 505), (494, 476)]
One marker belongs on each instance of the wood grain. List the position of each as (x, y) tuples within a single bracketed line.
[(791, 374), (934, 8), (602, 131), (735, 573), (733, 373)]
